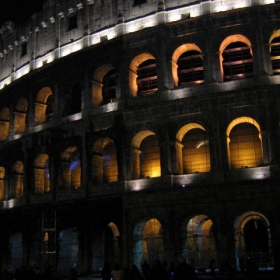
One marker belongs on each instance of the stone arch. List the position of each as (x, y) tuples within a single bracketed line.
[(186, 48), (111, 246), (104, 161), (2, 182), (253, 240), (244, 146), (274, 49), (199, 244), (134, 74), (101, 93), (4, 123), (17, 180), (41, 174), (70, 168), (192, 149), (145, 155), (20, 115), (148, 241), (43, 105), (247, 61)]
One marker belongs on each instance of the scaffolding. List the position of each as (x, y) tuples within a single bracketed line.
[(49, 237)]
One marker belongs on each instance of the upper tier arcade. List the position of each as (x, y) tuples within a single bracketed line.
[(64, 27)]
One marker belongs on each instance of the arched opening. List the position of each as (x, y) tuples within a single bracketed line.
[(17, 180), (192, 149), (148, 242), (244, 143), (4, 123), (146, 155), (2, 182), (111, 252), (236, 58), (68, 252), (41, 174), (104, 162), (104, 85), (16, 251), (199, 244), (187, 65), (274, 48), (253, 241), (44, 105), (20, 116), (70, 168), (143, 75)]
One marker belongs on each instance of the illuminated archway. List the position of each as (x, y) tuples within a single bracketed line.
[(17, 180), (2, 182), (104, 85), (148, 242), (104, 161), (236, 58), (274, 49), (199, 243), (143, 75), (20, 115), (192, 149), (4, 123), (70, 169), (244, 143), (43, 106), (41, 174), (146, 155), (187, 65), (253, 240)]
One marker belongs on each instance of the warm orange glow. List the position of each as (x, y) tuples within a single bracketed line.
[(41, 174), (97, 85), (16, 183), (244, 143), (229, 40), (133, 87), (42, 107), (20, 115), (176, 55), (4, 123)]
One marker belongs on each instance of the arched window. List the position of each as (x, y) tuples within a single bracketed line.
[(148, 242), (192, 149), (236, 58), (190, 68), (70, 169), (41, 174), (274, 47), (17, 180), (253, 240), (146, 155), (187, 65), (20, 115), (4, 123), (143, 75), (104, 85), (147, 77), (199, 243), (244, 143), (44, 106), (104, 162)]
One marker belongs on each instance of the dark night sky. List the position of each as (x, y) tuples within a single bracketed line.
[(18, 10)]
